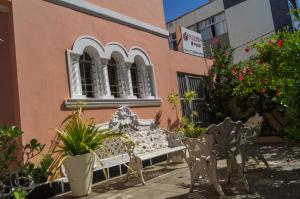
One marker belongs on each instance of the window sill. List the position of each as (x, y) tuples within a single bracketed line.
[(111, 103)]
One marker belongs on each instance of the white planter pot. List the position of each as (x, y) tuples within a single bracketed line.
[(79, 170)]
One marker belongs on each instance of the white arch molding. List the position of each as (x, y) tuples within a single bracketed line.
[(100, 55)]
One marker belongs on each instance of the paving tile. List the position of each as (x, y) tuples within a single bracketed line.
[(282, 181)]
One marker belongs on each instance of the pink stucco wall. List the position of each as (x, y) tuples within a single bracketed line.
[(44, 31), (150, 11), (8, 80)]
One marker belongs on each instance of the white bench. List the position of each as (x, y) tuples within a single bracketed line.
[(147, 141)]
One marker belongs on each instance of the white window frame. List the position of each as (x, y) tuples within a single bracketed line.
[(100, 55)]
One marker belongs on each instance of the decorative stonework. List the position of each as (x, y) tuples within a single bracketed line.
[(146, 137), (124, 118), (100, 56)]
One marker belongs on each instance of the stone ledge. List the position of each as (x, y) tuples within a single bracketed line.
[(98, 11), (111, 103)]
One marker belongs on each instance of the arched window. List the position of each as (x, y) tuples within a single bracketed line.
[(86, 75), (113, 78), (109, 76), (135, 81)]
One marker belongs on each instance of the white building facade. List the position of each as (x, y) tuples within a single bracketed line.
[(236, 23)]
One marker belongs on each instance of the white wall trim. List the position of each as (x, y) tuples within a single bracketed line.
[(98, 11), (137, 51), (114, 47), (88, 41), (111, 103)]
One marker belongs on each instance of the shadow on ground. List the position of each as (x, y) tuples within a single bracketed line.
[(282, 181)]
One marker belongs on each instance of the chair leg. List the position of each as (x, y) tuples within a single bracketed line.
[(229, 169), (139, 168), (243, 157), (212, 177), (127, 175), (192, 184), (241, 173), (135, 167), (262, 158), (140, 173), (168, 161), (256, 159)]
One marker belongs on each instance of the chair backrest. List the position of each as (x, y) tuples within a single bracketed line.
[(199, 148), (255, 122), (226, 138)]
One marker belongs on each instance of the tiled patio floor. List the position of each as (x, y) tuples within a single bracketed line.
[(281, 182)]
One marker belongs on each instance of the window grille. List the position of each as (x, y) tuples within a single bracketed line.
[(135, 81), (195, 83), (113, 78), (86, 74)]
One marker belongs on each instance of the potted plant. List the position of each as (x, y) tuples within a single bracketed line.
[(184, 126), (75, 145)]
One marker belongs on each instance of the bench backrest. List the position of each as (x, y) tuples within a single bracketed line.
[(144, 133)]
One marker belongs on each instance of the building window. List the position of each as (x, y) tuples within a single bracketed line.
[(173, 42), (194, 109), (99, 81), (87, 85), (193, 27), (113, 78), (212, 27), (135, 81)]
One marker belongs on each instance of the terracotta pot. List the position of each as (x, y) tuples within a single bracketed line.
[(79, 170)]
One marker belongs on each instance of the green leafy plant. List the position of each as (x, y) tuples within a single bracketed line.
[(173, 100), (189, 129), (18, 170), (19, 193), (189, 96), (76, 138), (40, 172), (9, 137), (185, 125)]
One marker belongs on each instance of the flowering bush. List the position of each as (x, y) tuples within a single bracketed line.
[(269, 78)]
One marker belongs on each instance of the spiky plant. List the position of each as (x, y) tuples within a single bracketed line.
[(77, 137)]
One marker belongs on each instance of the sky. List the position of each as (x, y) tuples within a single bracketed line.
[(176, 8)]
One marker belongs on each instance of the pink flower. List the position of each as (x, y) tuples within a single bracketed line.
[(241, 77), (248, 70), (279, 43), (225, 53), (215, 40), (233, 71), (247, 49), (263, 81), (270, 42), (263, 90), (260, 61)]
